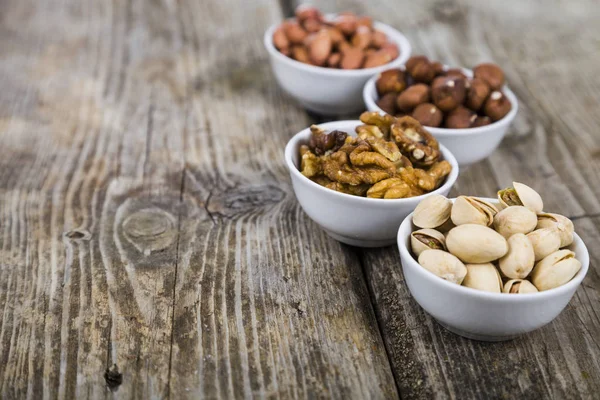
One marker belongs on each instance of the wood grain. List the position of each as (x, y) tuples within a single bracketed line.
[(151, 243)]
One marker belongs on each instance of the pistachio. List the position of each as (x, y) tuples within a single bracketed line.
[(483, 277), (519, 260), (555, 270), (425, 239), (521, 195), (432, 212), (444, 265), (476, 244), (515, 219), (519, 286), (562, 224), (545, 241), (472, 210)]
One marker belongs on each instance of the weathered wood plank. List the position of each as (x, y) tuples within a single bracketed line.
[(552, 146), (147, 220)]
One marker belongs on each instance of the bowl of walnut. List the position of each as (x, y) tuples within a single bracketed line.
[(324, 61), (467, 111), (359, 179)]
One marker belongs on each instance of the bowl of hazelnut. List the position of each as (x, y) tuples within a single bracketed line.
[(467, 111), (359, 179), (491, 269), (323, 61)]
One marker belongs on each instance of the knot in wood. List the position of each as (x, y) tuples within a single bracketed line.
[(150, 229), (78, 234)]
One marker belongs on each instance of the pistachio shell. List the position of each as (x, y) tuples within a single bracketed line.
[(521, 195), (515, 219), (545, 241), (444, 265), (561, 223), (472, 210), (475, 244), (555, 270), (425, 239), (432, 211), (483, 277), (519, 286), (519, 260)]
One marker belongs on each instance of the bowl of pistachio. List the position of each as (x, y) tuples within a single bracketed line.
[(491, 269), (359, 179)]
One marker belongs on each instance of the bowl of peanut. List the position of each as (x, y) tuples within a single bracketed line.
[(467, 111), (359, 179), (323, 61)]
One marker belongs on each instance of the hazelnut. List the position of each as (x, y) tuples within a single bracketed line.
[(456, 72), (391, 80), (497, 106), (423, 72), (412, 97), (448, 92), (362, 37), (490, 73), (376, 58), (428, 114), (481, 121), (413, 61), (352, 58), (294, 32), (460, 118), (477, 93), (387, 103), (438, 68)]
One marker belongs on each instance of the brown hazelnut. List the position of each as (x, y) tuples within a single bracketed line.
[(391, 80), (448, 92), (497, 106), (412, 97), (477, 93), (423, 72), (438, 68), (460, 118), (456, 72), (481, 121), (413, 61), (387, 103), (491, 73), (428, 114)]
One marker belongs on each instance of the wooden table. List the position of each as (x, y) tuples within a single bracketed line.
[(148, 224)]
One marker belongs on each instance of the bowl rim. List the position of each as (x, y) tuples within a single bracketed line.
[(290, 148), (369, 100), (404, 48), (405, 254)]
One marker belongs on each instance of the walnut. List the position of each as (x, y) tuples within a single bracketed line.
[(373, 175), (365, 131), (432, 178), (336, 168), (383, 122), (356, 190), (364, 156), (391, 188), (321, 142), (421, 148), (310, 164), (387, 149)]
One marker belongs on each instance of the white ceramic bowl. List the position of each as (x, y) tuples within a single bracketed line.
[(468, 145), (480, 315), (326, 90), (354, 220)]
